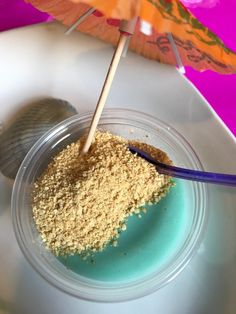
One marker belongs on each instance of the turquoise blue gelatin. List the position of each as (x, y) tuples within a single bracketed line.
[(146, 246)]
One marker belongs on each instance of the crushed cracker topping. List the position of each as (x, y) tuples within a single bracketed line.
[(81, 202)]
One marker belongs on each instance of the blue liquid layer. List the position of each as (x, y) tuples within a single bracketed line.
[(146, 246)]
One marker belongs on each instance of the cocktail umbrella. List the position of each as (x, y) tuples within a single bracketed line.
[(162, 30)]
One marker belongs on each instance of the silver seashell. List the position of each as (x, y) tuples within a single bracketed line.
[(26, 127)]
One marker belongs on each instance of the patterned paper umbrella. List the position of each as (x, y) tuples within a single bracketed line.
[(163, 30), (197, 46)]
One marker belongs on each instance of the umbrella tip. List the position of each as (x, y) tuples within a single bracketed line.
[(181, 69)]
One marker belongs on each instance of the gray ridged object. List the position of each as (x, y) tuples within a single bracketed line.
[(26, 128)]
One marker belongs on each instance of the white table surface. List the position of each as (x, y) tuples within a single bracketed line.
[(41, 61)]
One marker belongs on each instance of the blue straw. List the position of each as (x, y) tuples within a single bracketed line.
[(187, 174)]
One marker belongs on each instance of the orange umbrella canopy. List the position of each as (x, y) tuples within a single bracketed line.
[(197, 46)]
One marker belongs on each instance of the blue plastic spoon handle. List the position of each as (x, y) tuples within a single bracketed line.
[(188, 174)]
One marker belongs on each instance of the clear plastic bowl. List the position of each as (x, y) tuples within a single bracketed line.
[(132, 125)]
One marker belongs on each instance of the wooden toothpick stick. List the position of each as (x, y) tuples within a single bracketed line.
[(127, 28), (105, 91)]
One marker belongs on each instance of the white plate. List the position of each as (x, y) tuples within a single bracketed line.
[(40, 60)]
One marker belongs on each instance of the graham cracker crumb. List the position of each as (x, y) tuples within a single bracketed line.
[(81, 202), (115, 243)]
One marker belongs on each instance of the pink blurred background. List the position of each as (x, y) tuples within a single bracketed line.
[(219, 90)]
